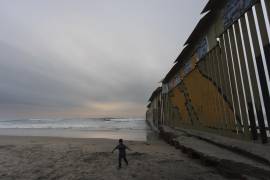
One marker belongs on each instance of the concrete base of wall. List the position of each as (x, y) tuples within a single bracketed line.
[(232, 164)]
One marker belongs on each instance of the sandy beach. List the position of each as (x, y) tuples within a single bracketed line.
[(33, 158)]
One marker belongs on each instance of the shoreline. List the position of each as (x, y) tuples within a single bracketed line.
[(60, 138), (135, 135)]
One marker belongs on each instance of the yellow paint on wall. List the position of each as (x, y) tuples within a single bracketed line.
[(178, 100), (203, 95)]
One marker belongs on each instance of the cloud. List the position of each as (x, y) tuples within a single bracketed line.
[(88, 58)]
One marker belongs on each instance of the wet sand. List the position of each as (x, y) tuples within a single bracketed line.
[(48, 158)]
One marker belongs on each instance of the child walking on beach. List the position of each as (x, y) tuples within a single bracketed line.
[(122, 152)]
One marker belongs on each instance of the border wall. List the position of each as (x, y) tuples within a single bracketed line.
[(220, 81)]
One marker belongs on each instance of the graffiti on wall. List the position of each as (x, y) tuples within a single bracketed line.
[(234, 9), (187, 67), (174, 81), (202, 48)]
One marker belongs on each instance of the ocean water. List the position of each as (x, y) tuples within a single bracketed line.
[(108, 128)]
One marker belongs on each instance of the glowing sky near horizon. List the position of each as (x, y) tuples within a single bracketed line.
[(88, 58)]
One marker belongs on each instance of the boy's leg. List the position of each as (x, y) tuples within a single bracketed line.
[(125, 159), (119, 161)]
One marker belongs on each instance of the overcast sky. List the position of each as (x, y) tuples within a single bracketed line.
[(88, 58)]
